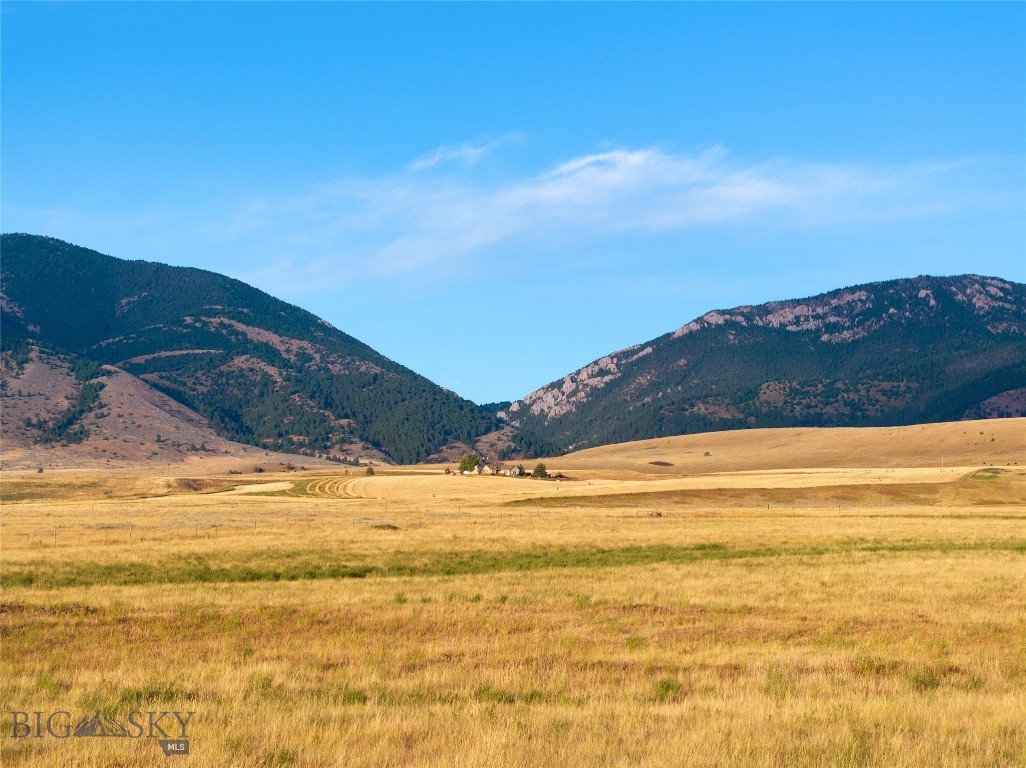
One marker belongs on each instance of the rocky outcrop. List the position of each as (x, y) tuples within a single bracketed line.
[(673, 374)]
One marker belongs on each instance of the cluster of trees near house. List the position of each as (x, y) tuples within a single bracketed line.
[(473, 464)]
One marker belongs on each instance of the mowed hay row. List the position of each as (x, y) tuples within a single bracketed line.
[(327, 487)]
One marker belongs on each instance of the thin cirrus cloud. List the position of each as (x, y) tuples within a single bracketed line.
[(361, 228), (465, 154)]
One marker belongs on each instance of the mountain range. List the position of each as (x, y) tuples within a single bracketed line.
[(99, 349), (923, 349)]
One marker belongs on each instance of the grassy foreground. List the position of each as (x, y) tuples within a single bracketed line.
[(482, 623)]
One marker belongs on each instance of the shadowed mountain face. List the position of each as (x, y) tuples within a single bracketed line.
[(260, 370), (898, 352)]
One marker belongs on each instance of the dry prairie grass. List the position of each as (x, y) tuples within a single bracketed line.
[(997, 442), (434, 621)]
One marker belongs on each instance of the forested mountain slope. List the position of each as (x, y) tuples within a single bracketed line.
[(262, 371), (904, 351)]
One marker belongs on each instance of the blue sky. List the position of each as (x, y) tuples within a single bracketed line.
[(497, 194)]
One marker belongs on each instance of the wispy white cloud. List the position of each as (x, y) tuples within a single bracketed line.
[(381, 227), (466, 153), (408, 222)]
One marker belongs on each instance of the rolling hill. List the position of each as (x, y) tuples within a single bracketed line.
[(925, 349), (993, 442), (251, 368)]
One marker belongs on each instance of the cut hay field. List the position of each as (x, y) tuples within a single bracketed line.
[(801, 598)]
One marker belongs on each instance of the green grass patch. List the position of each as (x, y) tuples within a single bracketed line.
[(187, 570), (667, 690), (830, 495), (294, 565), (491, 695), (300, 488), (991, 473)]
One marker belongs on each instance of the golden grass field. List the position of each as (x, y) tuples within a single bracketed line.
[(795, 598)]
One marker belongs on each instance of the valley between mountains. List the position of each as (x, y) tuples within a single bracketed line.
[(108, 362)]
